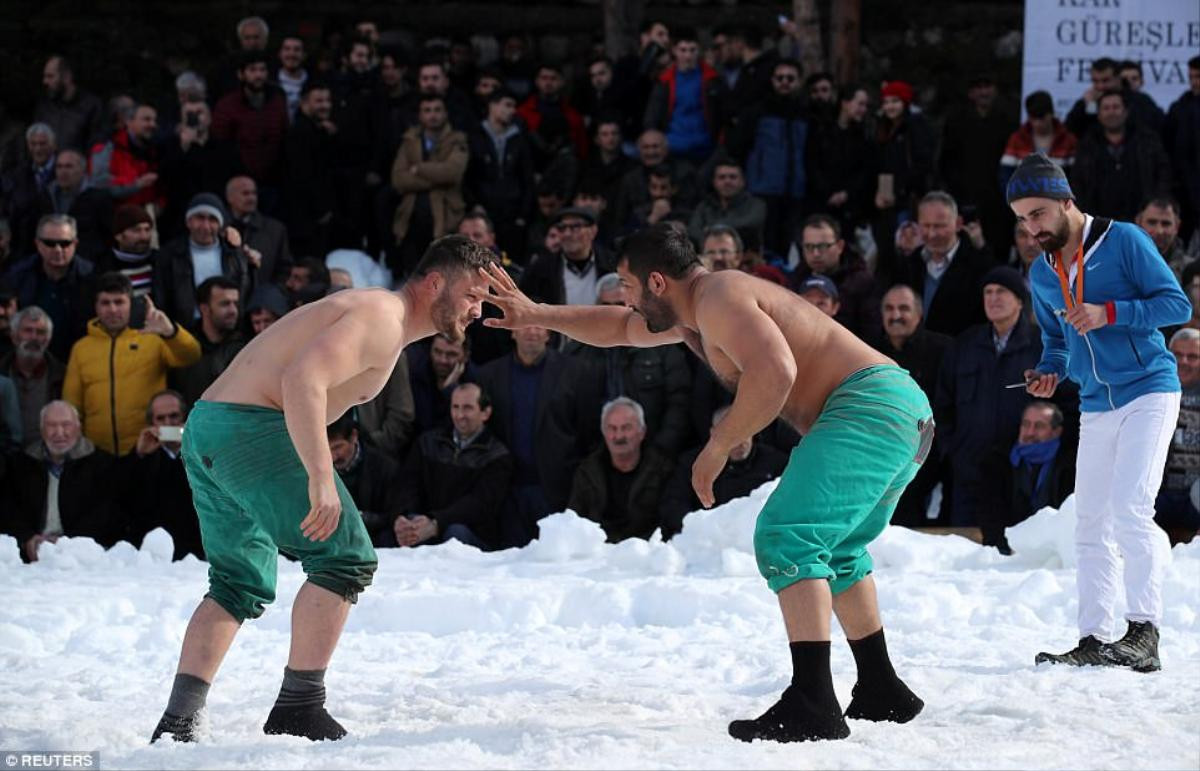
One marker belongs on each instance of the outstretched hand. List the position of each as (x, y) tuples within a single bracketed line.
[(519, 311)]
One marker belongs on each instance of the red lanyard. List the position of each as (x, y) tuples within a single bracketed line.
[(1065, 283)]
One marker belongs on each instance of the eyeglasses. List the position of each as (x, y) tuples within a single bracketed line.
[(572, 225), (60, 242), (814, 248), (785, 78)]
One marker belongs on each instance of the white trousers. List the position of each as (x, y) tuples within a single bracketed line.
[(1119, 469)]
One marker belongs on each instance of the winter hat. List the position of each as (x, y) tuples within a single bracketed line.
[(1038, 177), (130, 215), (1008, 278), (821, 284), (899, 89), (206, 203)]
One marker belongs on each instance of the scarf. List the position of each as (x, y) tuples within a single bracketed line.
[(1038, 454)]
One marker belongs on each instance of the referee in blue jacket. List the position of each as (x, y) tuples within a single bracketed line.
[(1101, 292)]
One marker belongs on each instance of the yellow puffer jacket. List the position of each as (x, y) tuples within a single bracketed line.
[(110, 380)]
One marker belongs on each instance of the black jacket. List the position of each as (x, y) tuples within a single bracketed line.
[(958, 302), (737, 480), (458, 487), (543, 279), (76, 291), (174, 281), (309, 153), (269, 237), (215, 358), (921, 356), (1108, 187), (639, 516), (658, 378), (503, 186), (155, 493), (840, 159), (199, 169), (556, 424), (375, 485), (86, 495)]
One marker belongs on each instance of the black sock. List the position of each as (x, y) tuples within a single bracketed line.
[(187, 696), (871, 656), (302, 688), (810, 666)]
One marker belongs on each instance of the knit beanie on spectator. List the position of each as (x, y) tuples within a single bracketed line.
[(130, 215), (1010, 279), (899, 89), (206, 203), (1038, 177)]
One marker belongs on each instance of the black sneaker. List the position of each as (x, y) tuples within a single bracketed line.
[(1089, 653), (1138, 649), (311, 722), (891, 702), (180, 729), (796, 717)]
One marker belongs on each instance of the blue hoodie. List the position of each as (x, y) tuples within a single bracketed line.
[(1128, 358)]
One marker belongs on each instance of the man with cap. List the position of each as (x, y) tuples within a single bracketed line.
[(821, 292), (977, 416), (569, 276), (1101, 292), (132, 253), (209, 249)]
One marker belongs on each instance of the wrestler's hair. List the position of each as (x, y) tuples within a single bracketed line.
[(663, 248), (453, 254)]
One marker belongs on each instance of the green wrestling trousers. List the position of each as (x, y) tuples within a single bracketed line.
[(843, 480), (251, 493)]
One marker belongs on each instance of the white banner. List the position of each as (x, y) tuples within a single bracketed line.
[(1063, 37)]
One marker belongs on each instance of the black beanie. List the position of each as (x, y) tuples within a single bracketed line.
[(1038, 177), (1008, 278)]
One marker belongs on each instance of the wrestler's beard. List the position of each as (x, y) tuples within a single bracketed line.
[(658, 313), (1057, 238), (444, 320)]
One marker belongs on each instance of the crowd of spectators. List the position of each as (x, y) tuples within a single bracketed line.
[(142, 244)]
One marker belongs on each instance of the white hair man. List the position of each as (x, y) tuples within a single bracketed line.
[(620, 485)]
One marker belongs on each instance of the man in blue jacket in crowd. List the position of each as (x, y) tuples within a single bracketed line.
[(1101, 292)]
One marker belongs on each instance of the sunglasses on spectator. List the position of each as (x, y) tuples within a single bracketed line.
[(53, 242)]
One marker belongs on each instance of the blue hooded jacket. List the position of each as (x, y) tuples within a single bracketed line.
[(1128, 358)]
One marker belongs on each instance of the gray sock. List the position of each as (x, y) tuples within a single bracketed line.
[(302, 688), (187, 696)]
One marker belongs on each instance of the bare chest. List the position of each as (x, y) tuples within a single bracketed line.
[(359, 389)]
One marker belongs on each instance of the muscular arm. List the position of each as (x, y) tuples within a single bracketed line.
[(604, 326), (751, 339), (348, 347)]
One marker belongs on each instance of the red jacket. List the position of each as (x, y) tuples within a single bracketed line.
[(258, 134), (1020, 144), (533, 118), (116, 166)]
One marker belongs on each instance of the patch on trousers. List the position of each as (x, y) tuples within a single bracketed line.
[(790, 571), (925, 429)]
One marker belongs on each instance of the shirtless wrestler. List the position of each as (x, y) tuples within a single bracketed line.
[(262, 476), (867, 427)]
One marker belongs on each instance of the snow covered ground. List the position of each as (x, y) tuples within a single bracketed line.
[(572, 653)]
